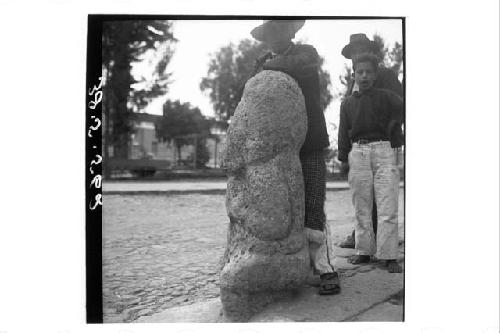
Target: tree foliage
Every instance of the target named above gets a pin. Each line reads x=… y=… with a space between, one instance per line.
x=232 y=66
x=392 y=58
x=181 y=123
x=123 y=43
x=228 y=70
x=202 y=153
x=324 y=86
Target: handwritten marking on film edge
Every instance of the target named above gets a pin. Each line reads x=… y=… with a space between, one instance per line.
x=96 y=92
x=96 y=182
x=95 y=162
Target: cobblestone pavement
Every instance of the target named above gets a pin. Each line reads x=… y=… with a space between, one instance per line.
x=163 y=251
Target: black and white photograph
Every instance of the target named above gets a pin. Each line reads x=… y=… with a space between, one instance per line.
x=252 y=169
x=250 y=166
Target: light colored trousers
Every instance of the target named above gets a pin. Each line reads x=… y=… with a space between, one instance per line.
x=320 y=249
x=373 y=171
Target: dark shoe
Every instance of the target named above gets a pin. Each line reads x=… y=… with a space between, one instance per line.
x=329 y=284
x=359 y=259
x=393 y=266
x=348 y=243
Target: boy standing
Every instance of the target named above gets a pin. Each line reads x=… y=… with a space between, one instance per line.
x=385 y=79
x=370 y=127
x=301 y=63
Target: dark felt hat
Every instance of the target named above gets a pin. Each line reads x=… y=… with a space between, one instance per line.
x=357 y=40
x=272 y=29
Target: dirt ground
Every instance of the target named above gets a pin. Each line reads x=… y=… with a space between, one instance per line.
x=162 y=251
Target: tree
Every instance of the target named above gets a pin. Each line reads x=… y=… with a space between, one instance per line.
x=391 y=58
x=123 y=44
x=183 y=124
x=228 y=70
x=202 y=153
x=324 y=86
x=231 y=67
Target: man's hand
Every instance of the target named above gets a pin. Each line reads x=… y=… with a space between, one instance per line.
x=263 y=58
x=273 y=63
x=259 y=62
x=344 y=168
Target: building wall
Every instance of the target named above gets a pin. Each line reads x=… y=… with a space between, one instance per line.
x=145 y=144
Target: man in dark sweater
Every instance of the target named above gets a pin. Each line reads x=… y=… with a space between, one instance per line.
x=369 y=131
x=385 y=79
x=301 y=62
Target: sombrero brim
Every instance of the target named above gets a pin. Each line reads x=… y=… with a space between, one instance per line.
x=270 y=29
x=347 y=50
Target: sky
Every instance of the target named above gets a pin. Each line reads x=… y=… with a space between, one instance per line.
x=199 y=39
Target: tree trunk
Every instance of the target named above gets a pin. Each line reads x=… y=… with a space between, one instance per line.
x=179 y=146
x=215 y=153
x=174 y=148
x=195 y=150
x=121 y=147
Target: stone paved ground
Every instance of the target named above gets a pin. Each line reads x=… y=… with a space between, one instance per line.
x=163 y=251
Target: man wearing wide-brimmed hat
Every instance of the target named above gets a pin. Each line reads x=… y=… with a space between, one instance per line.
x=386 y=79
x=301 y=62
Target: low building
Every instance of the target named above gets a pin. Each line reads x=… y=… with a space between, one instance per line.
x=146 y=145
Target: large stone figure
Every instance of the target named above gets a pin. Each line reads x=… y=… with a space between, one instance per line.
x=267 y=253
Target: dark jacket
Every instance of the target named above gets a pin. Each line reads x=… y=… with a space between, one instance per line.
x=301 y=62
x=376 y=114
x=386 y=79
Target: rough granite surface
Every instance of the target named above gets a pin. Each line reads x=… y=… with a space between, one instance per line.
x=266 y=254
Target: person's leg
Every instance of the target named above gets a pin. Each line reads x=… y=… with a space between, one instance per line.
x=386 y=186
x=361 y=183
x=314 y=172
x=321 y=256
x=349 y=242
